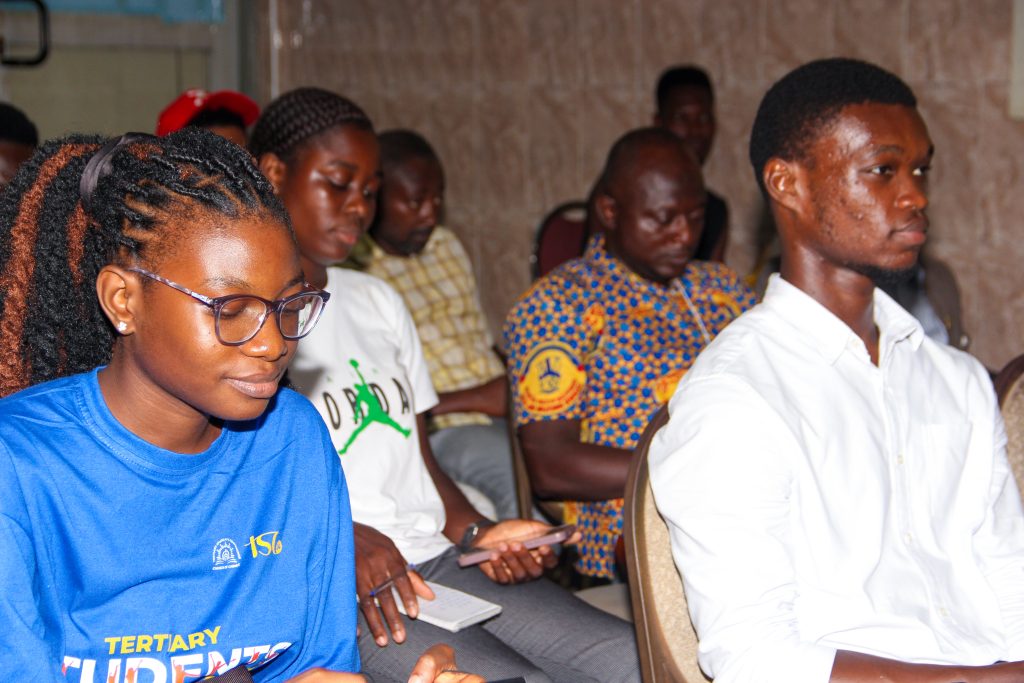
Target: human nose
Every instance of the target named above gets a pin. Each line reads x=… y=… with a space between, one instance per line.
x=268 y=342
x=361 y=203
x=914 y=193
x=687 y=230
x=431 y=210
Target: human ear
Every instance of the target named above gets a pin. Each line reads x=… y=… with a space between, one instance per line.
x=274 y=169
x=783 y=182
x=607 y=211
x=118 y=293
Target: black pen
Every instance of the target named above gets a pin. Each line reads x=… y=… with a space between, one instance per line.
x=375 y=591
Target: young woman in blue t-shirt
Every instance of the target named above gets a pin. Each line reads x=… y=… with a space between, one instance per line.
x=168 y=513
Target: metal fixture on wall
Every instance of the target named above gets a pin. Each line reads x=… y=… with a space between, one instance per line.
x=43 y=49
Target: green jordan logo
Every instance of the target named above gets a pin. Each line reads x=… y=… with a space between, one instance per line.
x=368 y=410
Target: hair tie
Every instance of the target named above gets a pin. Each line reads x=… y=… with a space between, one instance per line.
x=100 y=165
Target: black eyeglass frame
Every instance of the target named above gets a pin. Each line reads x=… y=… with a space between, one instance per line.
x=217 y=303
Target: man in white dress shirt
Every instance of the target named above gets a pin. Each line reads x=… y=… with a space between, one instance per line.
x=836 y=483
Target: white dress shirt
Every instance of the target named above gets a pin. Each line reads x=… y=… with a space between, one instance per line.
x=818 y=502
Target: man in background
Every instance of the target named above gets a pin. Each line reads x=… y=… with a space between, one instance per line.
x=427 y=265
x=686 y=106
x=598 y=344
x=18 y=140
x=226 y=112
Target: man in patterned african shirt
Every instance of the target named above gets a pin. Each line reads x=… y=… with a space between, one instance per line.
x=598 y=345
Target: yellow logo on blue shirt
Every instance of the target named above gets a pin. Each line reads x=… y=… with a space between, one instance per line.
x=552 y=381
x=265 y=544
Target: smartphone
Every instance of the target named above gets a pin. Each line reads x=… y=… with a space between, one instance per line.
x=558 y=534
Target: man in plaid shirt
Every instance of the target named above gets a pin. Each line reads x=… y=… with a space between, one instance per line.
x=429 y=268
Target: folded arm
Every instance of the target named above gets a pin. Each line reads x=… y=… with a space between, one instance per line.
x=489 y=398
x=564 y=468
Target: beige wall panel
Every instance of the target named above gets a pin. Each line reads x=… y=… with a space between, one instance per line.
x=102 y=90
x=796 y=31
x=670 y=33
x=504 y=42
x=958 y=40
x=872 y=30
x=523 y=97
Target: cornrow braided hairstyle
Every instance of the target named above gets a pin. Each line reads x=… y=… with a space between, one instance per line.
x=52 y=248
x=296 y=117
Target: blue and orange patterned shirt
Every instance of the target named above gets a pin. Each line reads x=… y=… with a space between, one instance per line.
x=593 y=341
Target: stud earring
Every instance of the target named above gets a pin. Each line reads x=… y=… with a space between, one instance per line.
x=122 y=326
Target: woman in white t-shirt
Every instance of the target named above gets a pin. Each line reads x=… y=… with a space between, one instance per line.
x=364 y=370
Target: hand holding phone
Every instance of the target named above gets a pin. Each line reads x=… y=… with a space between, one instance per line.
x=548 y=536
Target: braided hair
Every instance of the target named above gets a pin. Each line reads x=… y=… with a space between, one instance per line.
x=57 y=231
x=295 y=118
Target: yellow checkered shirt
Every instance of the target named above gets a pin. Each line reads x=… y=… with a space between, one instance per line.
x=439 y=289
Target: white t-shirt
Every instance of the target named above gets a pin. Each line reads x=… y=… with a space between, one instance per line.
x=363 y=369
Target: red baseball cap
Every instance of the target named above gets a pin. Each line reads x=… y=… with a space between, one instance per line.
x=189 y=103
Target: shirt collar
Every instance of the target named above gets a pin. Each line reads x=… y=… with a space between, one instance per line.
x=603 y=260
x=377 y=252
x=829 y=335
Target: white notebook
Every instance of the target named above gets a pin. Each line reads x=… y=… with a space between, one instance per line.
x=452 y=609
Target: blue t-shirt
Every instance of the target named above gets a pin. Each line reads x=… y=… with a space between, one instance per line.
x=123 y=562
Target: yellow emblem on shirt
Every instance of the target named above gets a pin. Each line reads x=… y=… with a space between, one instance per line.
x=594 y=318
x=723 y=299
x=552 y=381
x=665 y=386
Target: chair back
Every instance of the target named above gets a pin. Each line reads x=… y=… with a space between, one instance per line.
x=561 y=235
x=664 y=635
x=1009 y=384
x=943 y=292
x=524 y=490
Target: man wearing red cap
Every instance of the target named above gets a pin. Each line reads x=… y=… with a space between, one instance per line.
x=225 y=112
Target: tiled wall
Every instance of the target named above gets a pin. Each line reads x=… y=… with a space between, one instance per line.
x=522 y=98
x=105 y=73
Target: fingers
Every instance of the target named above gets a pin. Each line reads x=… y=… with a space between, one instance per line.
x=374 y=621
x=432 y=663
x=512 y=563
x=459 y=677
x=546 y=556
x=392 y=617
x=379 y=567
x=406 y=588
x=419 y=585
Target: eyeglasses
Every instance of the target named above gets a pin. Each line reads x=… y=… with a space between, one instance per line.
x=239 y=317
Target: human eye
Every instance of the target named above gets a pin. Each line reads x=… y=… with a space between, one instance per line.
x=233 y=308
x=338 y=179
x=923 y=170
x=881 y=169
